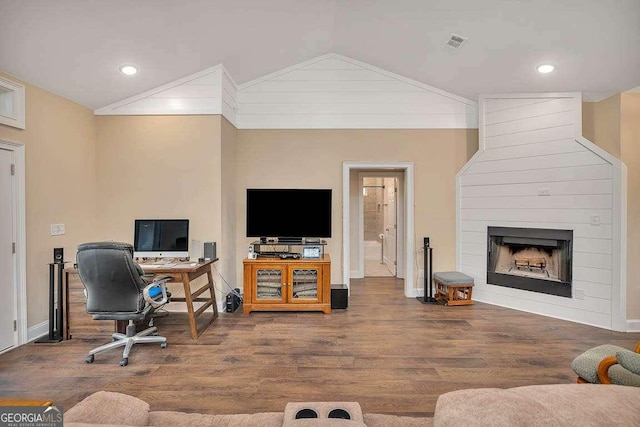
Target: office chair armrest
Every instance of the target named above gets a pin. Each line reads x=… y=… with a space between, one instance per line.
x=158 y=281
x=603 y=369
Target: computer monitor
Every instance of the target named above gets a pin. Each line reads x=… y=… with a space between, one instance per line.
x=161 y=238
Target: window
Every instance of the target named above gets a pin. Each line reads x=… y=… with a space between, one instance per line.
x=11 y=103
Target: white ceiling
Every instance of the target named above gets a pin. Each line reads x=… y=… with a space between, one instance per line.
x=74 y=47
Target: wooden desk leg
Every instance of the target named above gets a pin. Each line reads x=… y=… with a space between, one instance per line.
x=213 y=294
x=189 y=302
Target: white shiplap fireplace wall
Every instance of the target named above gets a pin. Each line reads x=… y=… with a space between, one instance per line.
x=535 y=170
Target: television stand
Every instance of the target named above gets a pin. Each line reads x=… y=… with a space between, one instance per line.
x=274 y=284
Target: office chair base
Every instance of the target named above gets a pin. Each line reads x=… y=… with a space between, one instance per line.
x=127 y=341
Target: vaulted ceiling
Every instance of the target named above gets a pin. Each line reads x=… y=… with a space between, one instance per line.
x=74 y=47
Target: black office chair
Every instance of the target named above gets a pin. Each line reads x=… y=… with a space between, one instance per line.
x=116 y=290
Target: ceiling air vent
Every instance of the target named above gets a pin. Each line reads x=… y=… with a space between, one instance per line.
x=455 y=42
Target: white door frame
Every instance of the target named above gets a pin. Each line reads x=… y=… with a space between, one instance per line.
x=409 y=259
x=20 y=267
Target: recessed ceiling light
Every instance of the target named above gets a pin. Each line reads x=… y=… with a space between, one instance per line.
x=128 y=70
x=545 y=68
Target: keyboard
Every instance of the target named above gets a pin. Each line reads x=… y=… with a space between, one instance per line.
x=158 y=265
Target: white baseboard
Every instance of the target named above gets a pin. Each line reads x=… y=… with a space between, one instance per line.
x=37 y=331
x=633 y=325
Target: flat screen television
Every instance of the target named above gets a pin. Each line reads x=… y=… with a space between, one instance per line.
x=288 y=214
x=161 y=238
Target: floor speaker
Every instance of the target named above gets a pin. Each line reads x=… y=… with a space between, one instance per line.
x=58 y=255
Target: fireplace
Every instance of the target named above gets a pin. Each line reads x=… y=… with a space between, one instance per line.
x=532 y=259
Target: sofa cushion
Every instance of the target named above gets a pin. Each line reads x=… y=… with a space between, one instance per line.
x=557 y=404
x=106 y=407
x=183 y=419
x=383 y=420
x=453 y=278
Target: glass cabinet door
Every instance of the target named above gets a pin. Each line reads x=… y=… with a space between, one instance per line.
x=269 y=284
x=304 y=284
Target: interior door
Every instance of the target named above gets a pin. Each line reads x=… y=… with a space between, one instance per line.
x=390 y=224
x=7 y=279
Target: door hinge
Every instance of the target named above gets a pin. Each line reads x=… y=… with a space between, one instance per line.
x=15 y=325
x=13 y=247
x=13 y=169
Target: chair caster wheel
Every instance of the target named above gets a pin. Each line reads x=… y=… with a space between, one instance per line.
x=124 y=361
x=89 y=358
x=163 y=345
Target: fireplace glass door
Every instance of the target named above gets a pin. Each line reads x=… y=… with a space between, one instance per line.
x=532 y=259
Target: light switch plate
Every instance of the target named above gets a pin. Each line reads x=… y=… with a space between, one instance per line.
x=57 y=229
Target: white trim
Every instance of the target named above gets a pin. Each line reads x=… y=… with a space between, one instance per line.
x=540 y=313
x=359 y=64
x=112 y=109
x=619 y=255
x=232 y=117
x=18 y=121
x=37 y=331
x=410 y=289
x=20 y=238
x=633 y=325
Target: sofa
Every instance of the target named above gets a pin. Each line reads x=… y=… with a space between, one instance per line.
x=537 y=405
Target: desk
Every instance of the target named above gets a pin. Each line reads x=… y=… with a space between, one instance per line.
x=185 y=273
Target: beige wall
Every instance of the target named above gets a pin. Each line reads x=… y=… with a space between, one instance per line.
x=601 y=124
x=630 y=150
x=59 y=142
x=313 y=159
x=614 y=125
x=159 y=167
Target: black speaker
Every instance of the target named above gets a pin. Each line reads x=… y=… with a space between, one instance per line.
x=210 y=251
x=58 y=255
x=339 y=296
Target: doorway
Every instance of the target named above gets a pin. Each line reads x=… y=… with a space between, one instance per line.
x=379 y=225
x=352 y=229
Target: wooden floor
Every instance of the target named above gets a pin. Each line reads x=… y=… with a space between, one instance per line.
x=391 y=354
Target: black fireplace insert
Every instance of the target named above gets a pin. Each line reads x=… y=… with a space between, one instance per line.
x=531 y=259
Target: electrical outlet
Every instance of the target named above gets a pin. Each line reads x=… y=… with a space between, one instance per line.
x=544 y=192
x=578 y=293
x=595 y=219
x=57 y=229
x=420 y=274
